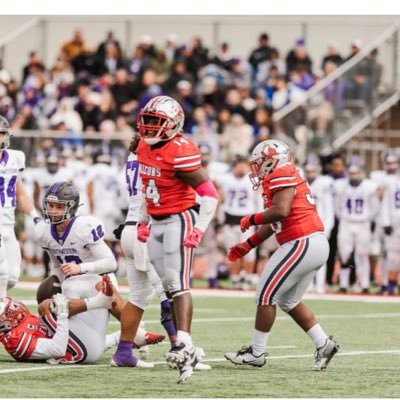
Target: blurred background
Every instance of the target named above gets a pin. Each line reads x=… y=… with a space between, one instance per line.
x=71 y=88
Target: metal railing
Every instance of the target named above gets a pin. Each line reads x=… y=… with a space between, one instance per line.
x=361 y=103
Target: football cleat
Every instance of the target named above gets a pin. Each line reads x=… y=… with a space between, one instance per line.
x=154 y=338
x=324 y=354
x=183 y=357
x=245 y=356
x=201 y=366
x=118 y=361
x=144 y=352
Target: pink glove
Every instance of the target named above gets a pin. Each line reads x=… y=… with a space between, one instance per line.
x=193 y=239
x=143 y=232
x=238 y=251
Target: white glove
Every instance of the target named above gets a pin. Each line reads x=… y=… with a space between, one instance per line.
x=60 y=305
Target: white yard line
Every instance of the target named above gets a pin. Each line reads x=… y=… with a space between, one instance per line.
x=226 y=293
x=211 y=360
x=282 y=318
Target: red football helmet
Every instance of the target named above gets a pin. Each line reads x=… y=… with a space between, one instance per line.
x=266 y=157
x=12 y=312
x=160 y=119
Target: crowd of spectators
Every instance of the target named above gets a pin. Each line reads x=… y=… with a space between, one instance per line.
x=228 y=100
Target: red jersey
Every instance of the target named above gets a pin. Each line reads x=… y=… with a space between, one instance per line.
x=21 y=341
x=164 y=192
x=303 y=218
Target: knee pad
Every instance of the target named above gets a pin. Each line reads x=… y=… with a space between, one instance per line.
x=80 y=286
x=287 y=307
x=48 y=288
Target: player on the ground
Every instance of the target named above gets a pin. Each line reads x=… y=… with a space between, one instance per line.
x=76 y=247
x=67 y=330
x=172 y=175
x=291 y=214
x=12 y=194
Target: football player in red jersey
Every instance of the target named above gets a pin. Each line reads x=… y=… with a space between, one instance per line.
x=172 y=176
x=291 y=215
x=63 y=332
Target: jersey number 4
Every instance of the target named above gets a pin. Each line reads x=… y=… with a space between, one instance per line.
x=10 y=191
x=152 y=192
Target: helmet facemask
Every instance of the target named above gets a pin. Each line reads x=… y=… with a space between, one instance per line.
x=5 y=137
x=12 y=312
x=58 y=217
x=260 y=168
x=266 y=157
x=160 y=119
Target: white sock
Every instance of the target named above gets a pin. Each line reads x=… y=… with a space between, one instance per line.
x=112 y=340
x=184 y=337
x=259 y=342
x=317 y=335
x=140 y=338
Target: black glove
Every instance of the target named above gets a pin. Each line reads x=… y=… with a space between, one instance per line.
x=388 y=230
x=118 y=231
x=372 y=226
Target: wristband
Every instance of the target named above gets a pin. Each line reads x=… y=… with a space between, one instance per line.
x=254 y=240
x=34 y=214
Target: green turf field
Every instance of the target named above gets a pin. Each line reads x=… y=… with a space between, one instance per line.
x=367 y=365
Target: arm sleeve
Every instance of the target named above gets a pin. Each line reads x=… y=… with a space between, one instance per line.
x=56 y=346
x=208 y=205
x=105 y=260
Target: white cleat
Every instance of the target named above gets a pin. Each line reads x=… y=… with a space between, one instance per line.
x=202 y=367
x=245 y=356
x=324 y=354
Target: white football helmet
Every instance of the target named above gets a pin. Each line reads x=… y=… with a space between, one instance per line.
x=12 y=312
x=4 y=130
x=266 y=157
x=160 y=119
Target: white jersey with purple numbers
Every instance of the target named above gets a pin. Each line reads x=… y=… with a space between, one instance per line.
x=134 y=185
x=74 y=245
x=105 y=189
x=356 y=203
x=321 y=189
x=239 y=197
x=45 y=179
x=12 y=163
x=390 y=209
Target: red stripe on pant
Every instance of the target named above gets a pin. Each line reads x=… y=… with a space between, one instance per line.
x=187 y=253
x=270 y=288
